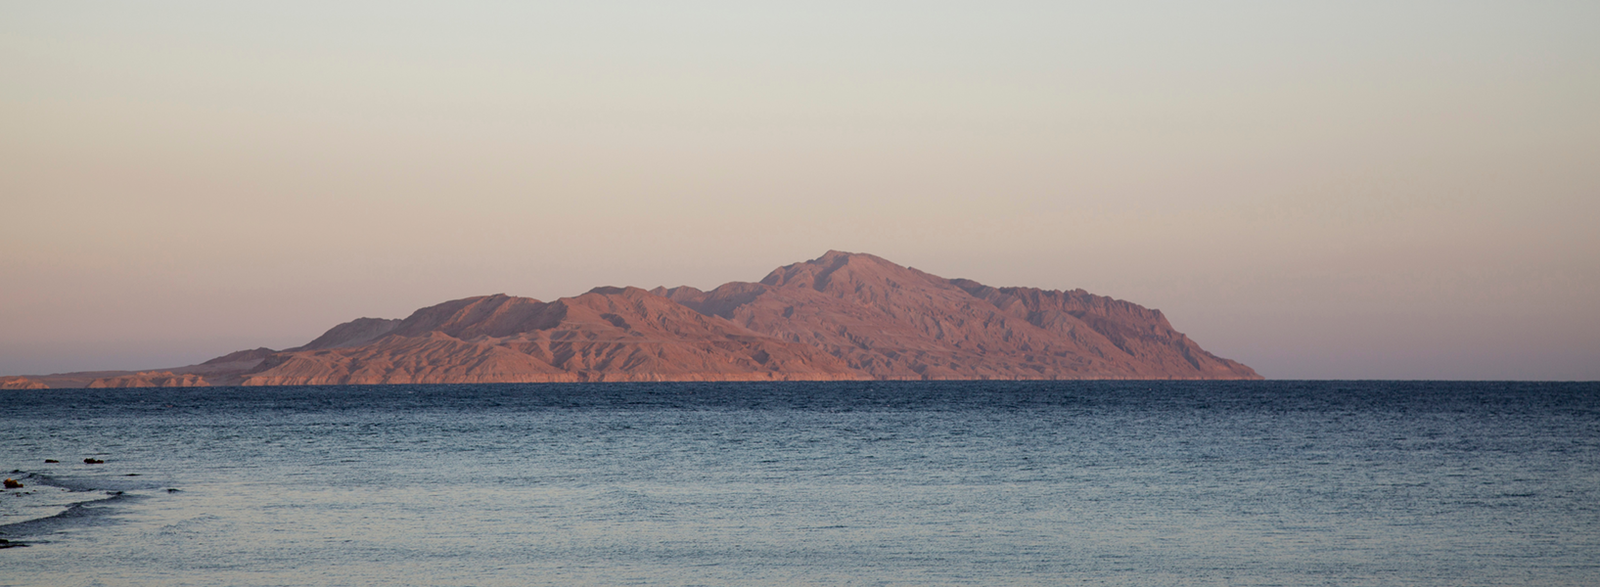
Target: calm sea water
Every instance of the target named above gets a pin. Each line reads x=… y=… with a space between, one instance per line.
x=971 y=483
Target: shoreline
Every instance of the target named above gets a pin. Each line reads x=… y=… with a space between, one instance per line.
x=54 y=495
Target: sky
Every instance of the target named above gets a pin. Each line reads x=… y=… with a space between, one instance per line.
x=1324 y=190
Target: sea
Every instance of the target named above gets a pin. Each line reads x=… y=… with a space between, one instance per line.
x=863 y=483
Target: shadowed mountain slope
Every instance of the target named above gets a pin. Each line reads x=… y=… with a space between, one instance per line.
x=608 y=334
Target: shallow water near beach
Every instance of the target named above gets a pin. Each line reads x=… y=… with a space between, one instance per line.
x=904 y=483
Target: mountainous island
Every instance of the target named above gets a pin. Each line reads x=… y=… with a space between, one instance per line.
x=842 y=316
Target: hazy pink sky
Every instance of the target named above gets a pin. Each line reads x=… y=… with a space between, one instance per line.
x=1318 y=190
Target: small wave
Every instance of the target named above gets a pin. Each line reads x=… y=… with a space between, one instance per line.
x=57 y=501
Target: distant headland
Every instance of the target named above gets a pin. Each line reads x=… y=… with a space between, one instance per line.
x=842 y=316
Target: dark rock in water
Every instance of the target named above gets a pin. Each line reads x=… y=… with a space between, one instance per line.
x=51 y=461
x=93 y=462
x=13 y=484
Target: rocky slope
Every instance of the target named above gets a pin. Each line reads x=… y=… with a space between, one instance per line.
x=151 y=379
x=896 y=322
x=17 y=382
x=608 y=334
x=840 y=316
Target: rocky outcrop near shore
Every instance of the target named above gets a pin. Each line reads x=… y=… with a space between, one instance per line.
x=17 y=382
x=841 y=316
x=151 y=379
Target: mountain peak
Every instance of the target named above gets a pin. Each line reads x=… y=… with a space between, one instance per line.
x=842 y=274
x=899 y=322
x=611 y=290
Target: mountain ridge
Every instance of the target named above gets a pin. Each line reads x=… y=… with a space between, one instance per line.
x=841 y=316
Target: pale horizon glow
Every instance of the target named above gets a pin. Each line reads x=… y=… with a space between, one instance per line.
x=1359 y=190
